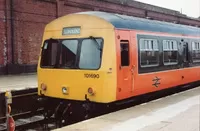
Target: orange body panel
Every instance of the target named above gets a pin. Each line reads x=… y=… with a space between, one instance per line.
x=125 y=78
x=130 y=83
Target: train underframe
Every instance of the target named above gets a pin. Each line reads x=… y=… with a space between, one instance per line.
x=64 y=112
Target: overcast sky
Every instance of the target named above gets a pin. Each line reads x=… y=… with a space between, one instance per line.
x=189 y=7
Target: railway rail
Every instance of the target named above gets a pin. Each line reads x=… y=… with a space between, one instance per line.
x=26 y=110
x=28 y=113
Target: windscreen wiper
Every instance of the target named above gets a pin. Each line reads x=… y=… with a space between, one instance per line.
x=97 y=44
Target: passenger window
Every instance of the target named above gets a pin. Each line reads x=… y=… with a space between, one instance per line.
x=196 y=52
x=149 y=52
x=124 y=44
x=170 y=52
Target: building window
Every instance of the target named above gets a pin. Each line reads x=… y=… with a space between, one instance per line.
x=149 y=52
x=170 y=52
x=124 y=45
x=196 y=51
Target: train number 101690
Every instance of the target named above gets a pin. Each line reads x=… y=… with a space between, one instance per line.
x=95 y=76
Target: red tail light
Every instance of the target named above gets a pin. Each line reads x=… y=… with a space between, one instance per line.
x=90 y=91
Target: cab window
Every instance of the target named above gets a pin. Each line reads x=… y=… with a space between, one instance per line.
x=90 y=54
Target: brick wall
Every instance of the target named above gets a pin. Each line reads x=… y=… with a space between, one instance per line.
x=30 y=17
x=22 y=23
x=3 y=42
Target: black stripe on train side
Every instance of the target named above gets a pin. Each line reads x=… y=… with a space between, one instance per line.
x=161 y=66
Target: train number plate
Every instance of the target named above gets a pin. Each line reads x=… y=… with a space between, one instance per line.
x=94 y=76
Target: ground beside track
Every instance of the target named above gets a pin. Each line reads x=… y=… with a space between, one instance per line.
x=17 y=82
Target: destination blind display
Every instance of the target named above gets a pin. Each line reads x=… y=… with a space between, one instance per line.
x=71 y=30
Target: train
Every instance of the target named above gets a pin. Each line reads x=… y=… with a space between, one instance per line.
x=100 y=58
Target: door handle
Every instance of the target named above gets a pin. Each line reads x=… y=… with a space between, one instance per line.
x=132 y=68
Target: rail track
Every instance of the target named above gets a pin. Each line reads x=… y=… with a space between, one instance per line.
x=28 y=112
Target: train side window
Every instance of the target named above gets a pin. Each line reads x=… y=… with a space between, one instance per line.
x=170 y=52
x=149 y=52
x=196 y=52
x=124 y=45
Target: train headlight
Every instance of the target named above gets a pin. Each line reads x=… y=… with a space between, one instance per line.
x=43 y=87
x=65 y=90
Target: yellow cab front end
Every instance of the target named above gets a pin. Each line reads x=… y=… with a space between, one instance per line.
x=78 y=59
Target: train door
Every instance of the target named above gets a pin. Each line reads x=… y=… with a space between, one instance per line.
x=185 y=75
x=125 y=71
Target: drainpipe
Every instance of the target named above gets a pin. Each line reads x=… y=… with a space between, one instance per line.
x=57 y=8
x=59 y=5
x=12 y=30
x=6 y=34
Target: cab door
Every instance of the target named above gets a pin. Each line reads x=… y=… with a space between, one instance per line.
x=124 y=65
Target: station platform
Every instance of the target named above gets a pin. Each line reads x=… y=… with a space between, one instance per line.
x=178 y=112
x=17 y=82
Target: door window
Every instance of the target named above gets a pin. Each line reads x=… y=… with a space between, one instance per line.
x=185 y=52
x=124 y=44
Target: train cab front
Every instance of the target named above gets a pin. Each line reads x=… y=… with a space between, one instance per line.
x=77 y=61
x=68 y=64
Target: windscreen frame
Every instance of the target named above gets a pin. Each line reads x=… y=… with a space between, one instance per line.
x=80 y=40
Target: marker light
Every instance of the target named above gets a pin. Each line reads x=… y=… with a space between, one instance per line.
x=90 y=91
x=43 y=87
